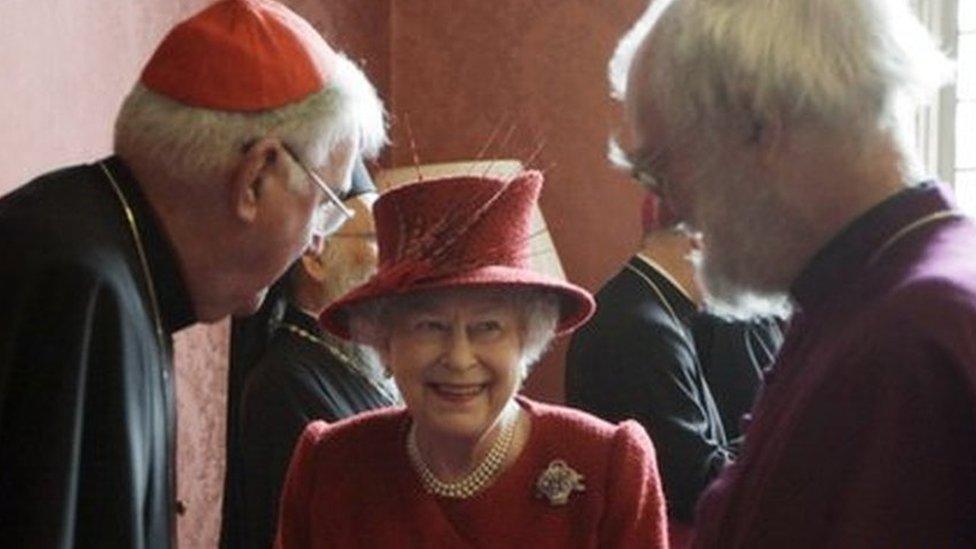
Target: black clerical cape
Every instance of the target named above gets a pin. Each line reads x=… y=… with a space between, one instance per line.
x=86 y=391
x=297 y=380
x=734 y=355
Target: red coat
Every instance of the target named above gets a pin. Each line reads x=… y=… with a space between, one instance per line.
x=351 y=484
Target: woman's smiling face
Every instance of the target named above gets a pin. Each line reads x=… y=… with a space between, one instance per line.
x=456 y=359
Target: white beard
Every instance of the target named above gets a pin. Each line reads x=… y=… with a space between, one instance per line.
x=741 y=268
x=724 y=297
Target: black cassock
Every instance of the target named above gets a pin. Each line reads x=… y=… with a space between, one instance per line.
x=297 y=380
x=635 y=360
x=86 y=392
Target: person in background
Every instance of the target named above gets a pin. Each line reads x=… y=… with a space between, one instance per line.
x=638 y=358
x=307 y=373
x=777 y=129
x=734 y=354
x=215 y=188
x=458 y=319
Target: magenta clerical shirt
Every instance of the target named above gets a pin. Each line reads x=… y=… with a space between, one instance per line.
x=865 y=435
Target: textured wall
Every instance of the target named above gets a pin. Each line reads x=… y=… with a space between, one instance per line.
x=358 y=28
x=201 y=392
x=461 y=68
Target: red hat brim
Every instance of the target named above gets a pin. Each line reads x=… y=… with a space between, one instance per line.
x=576 y=304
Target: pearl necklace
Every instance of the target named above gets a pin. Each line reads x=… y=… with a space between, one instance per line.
x=473 y=482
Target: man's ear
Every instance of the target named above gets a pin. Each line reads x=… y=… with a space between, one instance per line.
x=314 y=265
x=261 y=160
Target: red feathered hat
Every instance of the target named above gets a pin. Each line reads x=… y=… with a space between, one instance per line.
x=240 y=55
x=454 y=232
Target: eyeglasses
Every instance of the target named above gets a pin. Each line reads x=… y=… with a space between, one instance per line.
x=642 y=169
x=330 y=215
x=359 y=235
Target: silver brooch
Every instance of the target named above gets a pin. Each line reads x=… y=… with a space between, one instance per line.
x=558 y=482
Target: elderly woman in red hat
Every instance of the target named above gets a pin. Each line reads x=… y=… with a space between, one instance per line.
x=457 y=319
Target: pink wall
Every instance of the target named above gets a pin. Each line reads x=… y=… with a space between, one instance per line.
x=66 y=67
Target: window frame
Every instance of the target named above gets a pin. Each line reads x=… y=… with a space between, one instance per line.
x=935 y=124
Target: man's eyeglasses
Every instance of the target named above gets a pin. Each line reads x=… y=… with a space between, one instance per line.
x=330 y=215
x=642 y=169
x=358 y=235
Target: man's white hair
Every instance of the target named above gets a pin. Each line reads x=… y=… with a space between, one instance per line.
x=847 y=65
x=200 y=146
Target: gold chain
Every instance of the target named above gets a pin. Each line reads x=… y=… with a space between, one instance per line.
x=477 y=479
x=144 y=263
x=340 y=355
x=909 y=228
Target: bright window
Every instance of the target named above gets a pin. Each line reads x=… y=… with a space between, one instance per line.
x=946 y=131
x=964 y=162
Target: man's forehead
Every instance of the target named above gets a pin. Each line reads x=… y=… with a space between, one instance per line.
x=363 y=221
x=362 y=204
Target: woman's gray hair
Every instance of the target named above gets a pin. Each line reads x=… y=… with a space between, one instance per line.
x=200 y=146
x=848 y=65
x=538 y=311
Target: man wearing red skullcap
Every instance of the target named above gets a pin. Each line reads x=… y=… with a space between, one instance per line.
x=649 y=354
x=231 y=152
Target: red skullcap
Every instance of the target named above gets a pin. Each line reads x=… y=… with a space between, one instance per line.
x=655 y=214
x=240 y=55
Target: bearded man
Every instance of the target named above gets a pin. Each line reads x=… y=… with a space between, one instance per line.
x=775 y=128
x=218 y=181
x=305 y=373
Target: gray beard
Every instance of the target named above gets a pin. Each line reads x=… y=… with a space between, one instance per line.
x=725 y=297
x=745 y=264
